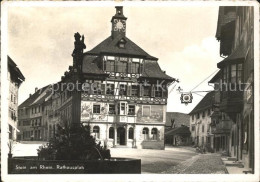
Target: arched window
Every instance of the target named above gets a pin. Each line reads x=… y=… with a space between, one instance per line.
x=154 y=133
x=111 y=132
x=146 y=133
x=131 y=133
x=96 y=131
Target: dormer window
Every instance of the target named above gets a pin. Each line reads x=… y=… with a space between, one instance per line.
x=121 y=43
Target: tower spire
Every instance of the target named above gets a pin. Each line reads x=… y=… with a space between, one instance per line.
x=118 y=22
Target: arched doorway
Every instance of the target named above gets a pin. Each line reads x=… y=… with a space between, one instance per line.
x=121 y=136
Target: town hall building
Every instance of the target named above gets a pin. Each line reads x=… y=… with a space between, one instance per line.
x=123 y=93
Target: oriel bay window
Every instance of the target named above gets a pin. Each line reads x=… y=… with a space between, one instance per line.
x=131 y=110
x=232 y=73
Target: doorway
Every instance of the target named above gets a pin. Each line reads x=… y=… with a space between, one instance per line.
x=121 y=136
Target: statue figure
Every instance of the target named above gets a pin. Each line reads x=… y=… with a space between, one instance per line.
x=78 y=50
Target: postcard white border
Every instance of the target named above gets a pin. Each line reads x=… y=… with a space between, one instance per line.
x=117 y=177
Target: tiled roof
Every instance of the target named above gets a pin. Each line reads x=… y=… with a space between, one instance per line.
x=178 y=130
x=179 y=119
x=89 y=65
x=110 y=45
x=12 y=64
x=205 y=103
x=217 y=76
x=153 y=70
x=239 y=53
x=37 y=98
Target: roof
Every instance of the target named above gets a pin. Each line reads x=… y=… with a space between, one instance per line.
x=178 y=130
x=153 y=70
x=16 y=70
x=216 y=77
x=224 y=19
x=179 y=119
x=205 y=103
x=89 y=65
x=38 y=97
x=110 y=46
x=239 y=53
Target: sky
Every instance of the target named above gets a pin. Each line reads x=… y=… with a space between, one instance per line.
x=41 y=40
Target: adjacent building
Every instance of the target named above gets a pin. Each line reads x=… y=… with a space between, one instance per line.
x=122 y=94
x=200 y=122
x=15 y=79
x=235 y=107
x=177 y=130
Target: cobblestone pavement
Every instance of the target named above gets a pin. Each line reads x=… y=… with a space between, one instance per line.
x=156 y=161
x=200 y=164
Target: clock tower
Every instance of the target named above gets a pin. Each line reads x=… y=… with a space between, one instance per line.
x=118 y=22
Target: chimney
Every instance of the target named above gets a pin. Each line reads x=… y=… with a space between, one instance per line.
x=36 y=89
x=30 y=95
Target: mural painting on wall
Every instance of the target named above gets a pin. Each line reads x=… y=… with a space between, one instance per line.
x=147 y=113
x=87 y=114
x=86 y=111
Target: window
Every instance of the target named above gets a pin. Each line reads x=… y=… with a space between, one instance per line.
x=203 y=114
x=202 y=128
x=96 y=109
x=198 y=115
x=122 y=67
x=193 y=128
x=158 y=92
x=208 y=112
x=122 y=89
x=111 y=133
x=96 y=88
x=145 y=133
x=135 y=67
x=233 y=73
x=122 y=108
x=110 y=89
x=122 y=45
x=110 y=65
x=192 y=117
x=112 y=109
x=147 y=91
x=131 y=133
x=146 y=110
x=96 y=131
x=154 y=133
x=131 y=110
x=134 y=90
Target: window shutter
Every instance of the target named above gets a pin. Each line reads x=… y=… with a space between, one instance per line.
x=129 y=67
x=103 y=89
x=129 y=90
x=153 y=91
x=140 y=91
x=141 y=67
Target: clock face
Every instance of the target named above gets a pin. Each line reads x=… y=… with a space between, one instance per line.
x=119 y=25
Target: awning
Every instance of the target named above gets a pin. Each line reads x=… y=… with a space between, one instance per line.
x=238 y=54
